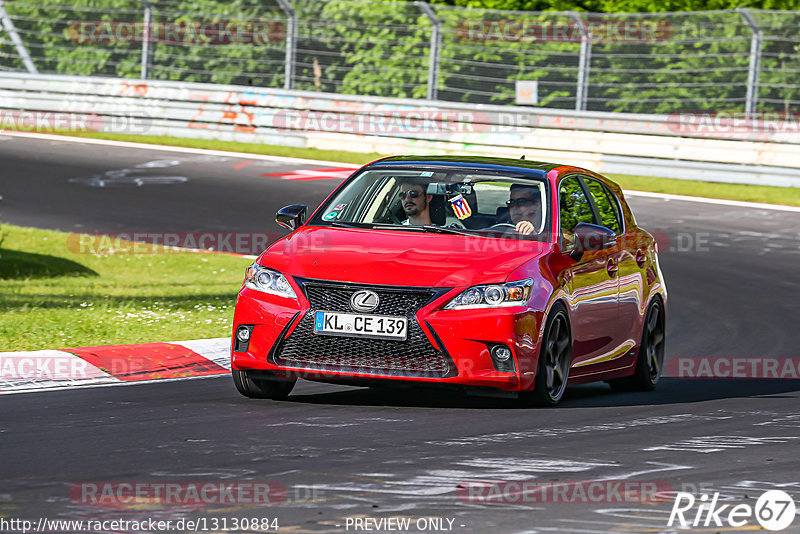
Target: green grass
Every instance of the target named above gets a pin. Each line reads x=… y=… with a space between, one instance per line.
x=750 y=193
x=52 y=297
x=789 y=196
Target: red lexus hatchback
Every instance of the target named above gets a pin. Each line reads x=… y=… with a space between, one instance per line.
x=497 y=275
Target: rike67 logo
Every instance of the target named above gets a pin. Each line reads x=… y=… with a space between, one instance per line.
x=774 y=510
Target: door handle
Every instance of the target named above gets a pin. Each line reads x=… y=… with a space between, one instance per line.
x=612 y=268
x=641 y=258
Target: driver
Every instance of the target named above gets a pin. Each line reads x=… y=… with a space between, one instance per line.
x=524 y=207
x=416 y=203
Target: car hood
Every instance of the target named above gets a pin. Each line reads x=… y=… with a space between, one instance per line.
x=399 y=258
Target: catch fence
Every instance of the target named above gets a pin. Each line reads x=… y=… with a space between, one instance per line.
x=740 y=60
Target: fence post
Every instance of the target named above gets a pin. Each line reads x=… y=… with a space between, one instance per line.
x=751 y=101
x=291 y=43
x=147 y=38
x=436 y=45
x=8 y=24
x=584 y=62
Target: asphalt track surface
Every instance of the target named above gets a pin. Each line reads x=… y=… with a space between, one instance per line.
x=359 y=453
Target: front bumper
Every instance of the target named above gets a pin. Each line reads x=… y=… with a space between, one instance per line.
x=443 y=346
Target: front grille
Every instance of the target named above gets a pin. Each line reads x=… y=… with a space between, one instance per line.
x=393 y=301
x=414 y=357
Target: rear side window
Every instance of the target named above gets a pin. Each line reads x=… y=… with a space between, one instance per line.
x=606 y=204
x=574 y=208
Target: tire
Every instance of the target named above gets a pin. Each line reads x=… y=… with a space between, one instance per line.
x=650 y=360
x=261 y=388
x=555 y=358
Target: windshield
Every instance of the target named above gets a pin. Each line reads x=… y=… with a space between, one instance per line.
x=454 y=201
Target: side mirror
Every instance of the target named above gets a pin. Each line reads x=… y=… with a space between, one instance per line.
x=591 y=237
x=292 y=216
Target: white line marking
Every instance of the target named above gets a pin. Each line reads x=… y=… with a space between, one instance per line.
x=634 y=513
x=664 y=467
x=709 y=444
x=115 y=384
x=45 y=369
x=723 y=202
x=218 y=350
x=264 y=157
x=489 y=439
x=576 y=530
x=54 y=370
x=598 y=522
x=513 y=465
x=168 y=148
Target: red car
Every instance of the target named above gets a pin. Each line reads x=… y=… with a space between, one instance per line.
x=498 y=275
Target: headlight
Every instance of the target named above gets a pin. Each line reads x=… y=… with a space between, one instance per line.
x=492 y=296
x=268 y=281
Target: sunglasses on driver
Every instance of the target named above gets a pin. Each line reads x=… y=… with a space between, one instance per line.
x=411 y=193
x=521 y=202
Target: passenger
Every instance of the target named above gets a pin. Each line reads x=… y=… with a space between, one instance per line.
x=525 y=208
x=415 y=201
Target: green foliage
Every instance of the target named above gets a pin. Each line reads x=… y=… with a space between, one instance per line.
x=105 y=38
x=622 y=6
x=52 y=36
x=605 y=205
x=699 y=62
x=377 y=50
x=485 y=52
x=575 y=207
x=256 y=59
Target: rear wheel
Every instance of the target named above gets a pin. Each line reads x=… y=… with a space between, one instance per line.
x=651 y=353
x=555 y=358
x=261 y=388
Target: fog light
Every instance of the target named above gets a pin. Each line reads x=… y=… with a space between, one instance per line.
x=501 y=353
x=243 y=334
x=241 y=340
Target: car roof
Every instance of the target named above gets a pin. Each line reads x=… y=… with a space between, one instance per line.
x=534 y=168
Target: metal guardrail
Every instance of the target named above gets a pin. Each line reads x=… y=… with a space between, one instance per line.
x=651 y=145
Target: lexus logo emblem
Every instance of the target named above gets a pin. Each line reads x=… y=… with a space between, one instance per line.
x=364 y=301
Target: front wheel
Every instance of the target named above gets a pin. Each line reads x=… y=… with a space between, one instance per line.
x=650 y=359
x=261 y=388
x=555 y=358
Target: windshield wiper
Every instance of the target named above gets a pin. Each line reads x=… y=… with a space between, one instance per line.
x=350 y=224
x=445 y=230
x=375 y=226
x=432 y=228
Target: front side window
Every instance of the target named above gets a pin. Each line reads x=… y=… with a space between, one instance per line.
x=574 y=208
x=606 y=204
x=453 y=201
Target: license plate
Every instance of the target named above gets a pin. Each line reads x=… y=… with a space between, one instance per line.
x=360 y=325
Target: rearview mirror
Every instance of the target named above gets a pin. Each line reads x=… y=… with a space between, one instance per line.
x=591 y=237
x=436 y=188
x=292 y=216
